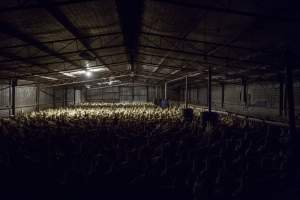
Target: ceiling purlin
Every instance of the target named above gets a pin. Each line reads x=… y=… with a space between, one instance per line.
x=8 y=29
x=63 y=19
x=16 y=58
x=64 y=53
x=230 y=11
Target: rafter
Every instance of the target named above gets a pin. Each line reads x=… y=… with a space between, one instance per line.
x=8 y=29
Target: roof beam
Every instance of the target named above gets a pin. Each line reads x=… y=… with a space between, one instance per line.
x=130 y=16
x=58 y=72
x=35 y=5
x=65 y=53
x=250 y=62
x=53 y=42
x=164 y=66
x=62 y=19
x=230 y=11
x=15 y=58
x=8 y=29
x=57 y=62
x=201 y=42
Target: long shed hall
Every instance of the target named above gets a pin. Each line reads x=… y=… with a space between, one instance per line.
x=149 y=99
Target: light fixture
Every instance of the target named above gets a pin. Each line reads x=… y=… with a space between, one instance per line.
x=47 y=77
x=110 y=82
x=88 y=73
x=196 y=74
x=175 y=71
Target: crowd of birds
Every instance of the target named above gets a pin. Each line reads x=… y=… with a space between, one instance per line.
x=139 y=151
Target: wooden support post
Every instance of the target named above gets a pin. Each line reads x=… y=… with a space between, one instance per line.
x=186 y=92
x=13 y=97
x=86 y=95
x=285 y=102
x=156 y=92
x=147 y=93
x=209 y=90
x=222 y=95
x=244 y=85
x=37 y=98
x=281 y=95
x=119 y=97
x=65 y=96
x=132 y=93
x=74 y=97
x=290 y=97
x=166 y=90
x=54 y=98
x=294 y=150
x=197 y=100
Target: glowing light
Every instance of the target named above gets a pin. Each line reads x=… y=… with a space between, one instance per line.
x=67 y=74
x=88 y=73
x=47 y=77
x=175 y=71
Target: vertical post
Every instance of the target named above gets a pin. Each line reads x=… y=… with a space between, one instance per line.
x=54 y=98
x=86 y=95
x=222 y=94
x=132 y=92
x=147 y=93
x=186 y=92
x=119 y=89
x=281 y=96
x=244 y=84
x=285 y=101
x=165 y=90
x=65 y=96
x=13 y=97
x=74 y=97
x=37 y=98
x=9 y=97
x=209 y=89
x=290 y=98
x=294 y=137
x=197 y=100
x=156 y=92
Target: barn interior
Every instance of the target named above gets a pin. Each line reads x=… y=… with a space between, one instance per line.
x=182 y=99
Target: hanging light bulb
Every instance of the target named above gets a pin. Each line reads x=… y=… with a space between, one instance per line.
x=88 y=73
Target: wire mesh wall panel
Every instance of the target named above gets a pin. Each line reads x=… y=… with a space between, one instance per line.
x=140 y=94
x=125 y=94
x=25 y=98
x=232 y=95
x=151 y=94
x=216 y=96
x=297 y=99
x=46 y=98
x=94 y=94
x=78 y=97
x=4 y=100
x=192 y=94
x=202 y=96
x=103 y=94
x=70 y=96
x=59 y=97
x=263 y=95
